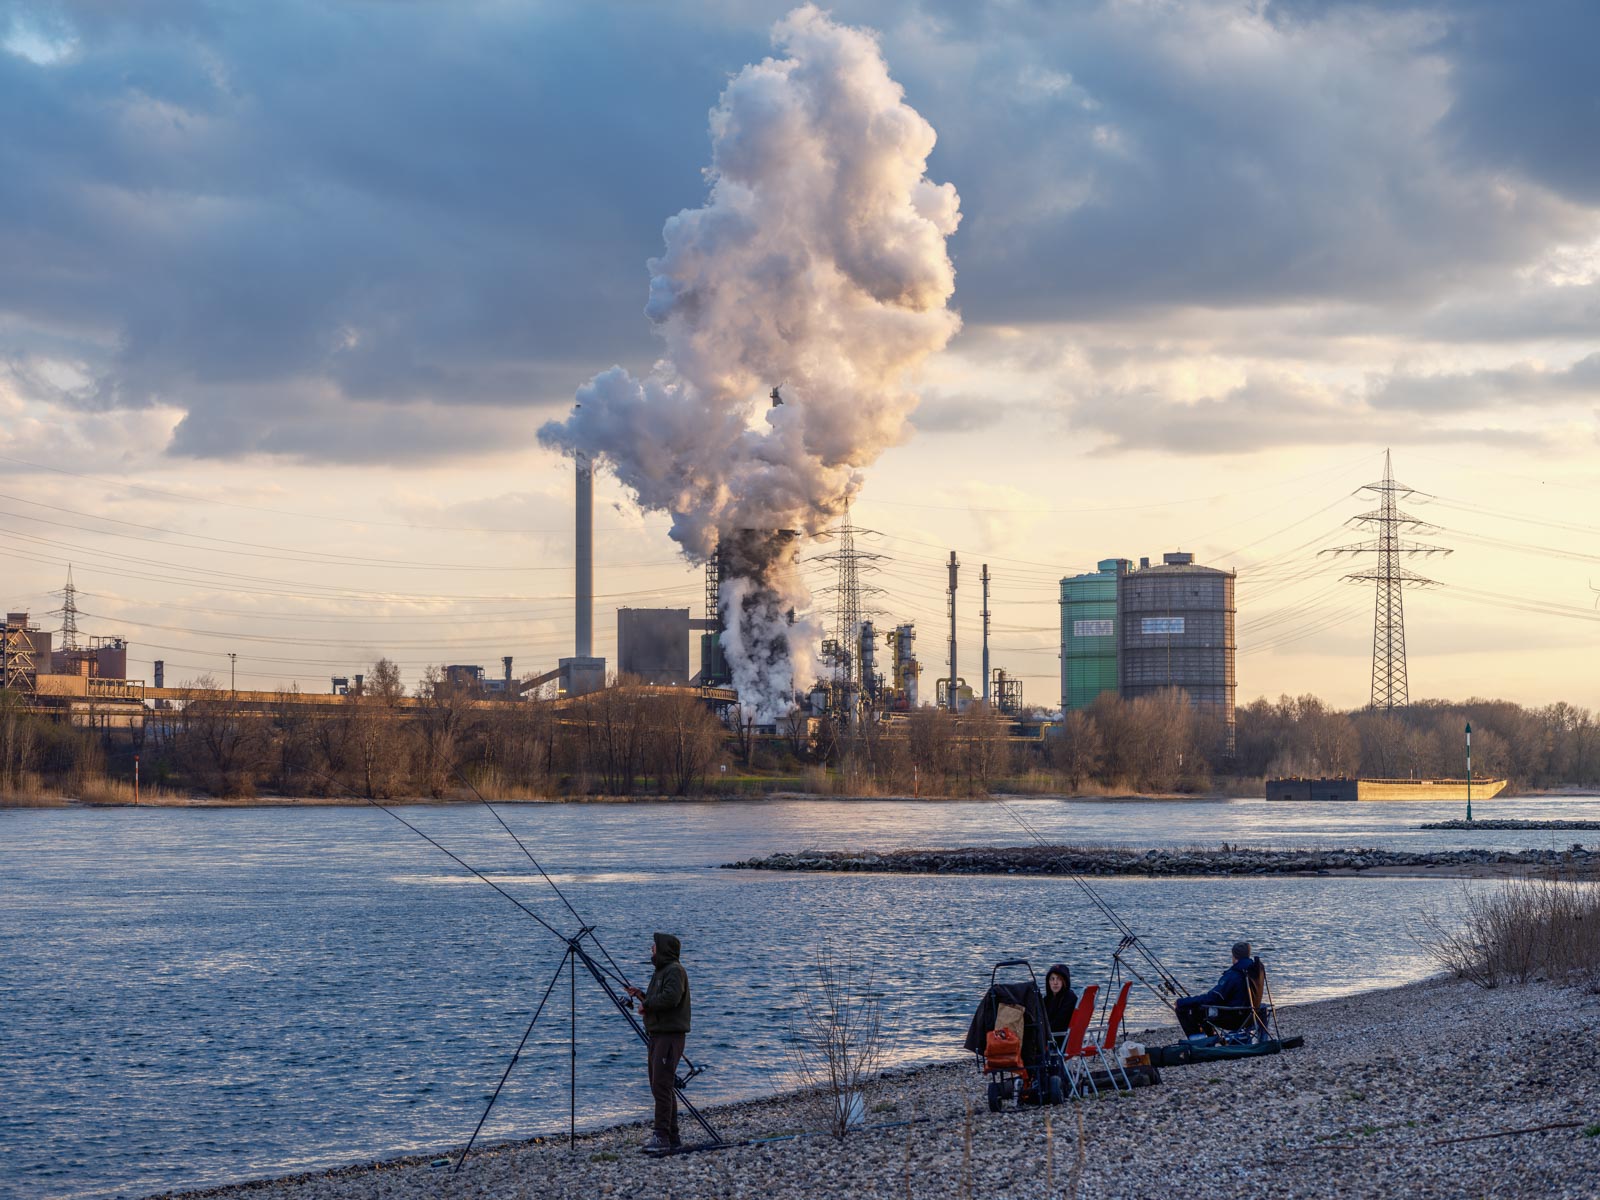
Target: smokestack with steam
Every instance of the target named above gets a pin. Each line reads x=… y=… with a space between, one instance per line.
x=817 y=261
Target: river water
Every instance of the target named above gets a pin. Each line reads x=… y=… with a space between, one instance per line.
x=195 y=996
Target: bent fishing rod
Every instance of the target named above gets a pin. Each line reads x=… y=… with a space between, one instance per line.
x=1170 y=986
x=574 y=948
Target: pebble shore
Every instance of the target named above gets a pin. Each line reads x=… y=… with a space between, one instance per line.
x=1412 y=1091
x=1112 y=860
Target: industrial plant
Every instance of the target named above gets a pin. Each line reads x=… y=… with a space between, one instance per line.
x=1132 y=631
x=1126 y=630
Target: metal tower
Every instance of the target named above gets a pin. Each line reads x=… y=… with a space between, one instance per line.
x=1388 y=523
x=849 y=595
x=68 y=612
x=984 y=576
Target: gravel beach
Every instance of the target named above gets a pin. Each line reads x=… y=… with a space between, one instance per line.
x=1407 y=1091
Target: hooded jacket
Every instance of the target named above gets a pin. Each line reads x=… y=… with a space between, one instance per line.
x=1233 y=989
x=666 y=1000
x=1058 y=1006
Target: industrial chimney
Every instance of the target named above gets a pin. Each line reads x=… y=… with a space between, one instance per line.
x=583 y=672
x=584 y=589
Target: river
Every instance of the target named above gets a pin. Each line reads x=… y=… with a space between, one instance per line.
x=195 y=996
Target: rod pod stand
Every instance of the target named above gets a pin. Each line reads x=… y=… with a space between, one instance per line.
x=573 y=955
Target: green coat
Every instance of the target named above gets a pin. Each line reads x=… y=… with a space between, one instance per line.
x=666 y=1000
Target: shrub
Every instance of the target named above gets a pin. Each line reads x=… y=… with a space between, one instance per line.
x=1524 y=929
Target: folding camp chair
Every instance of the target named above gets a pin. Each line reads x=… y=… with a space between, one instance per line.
x=1106 y=1048
x=1073 y=1051
x=1236 y=1025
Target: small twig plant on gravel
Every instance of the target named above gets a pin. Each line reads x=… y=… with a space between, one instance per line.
x=836 y=1036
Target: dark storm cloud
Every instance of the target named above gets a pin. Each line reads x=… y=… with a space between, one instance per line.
x=1134 y=156
x=428 y=205
x=1523 y=80
x=283 y=219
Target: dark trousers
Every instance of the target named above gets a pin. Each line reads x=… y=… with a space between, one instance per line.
x=1190 y=1010
x=665 y=1051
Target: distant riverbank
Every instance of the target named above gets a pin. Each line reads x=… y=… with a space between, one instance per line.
x=179 y=800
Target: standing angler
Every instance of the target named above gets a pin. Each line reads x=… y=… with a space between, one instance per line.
x=665 y=1006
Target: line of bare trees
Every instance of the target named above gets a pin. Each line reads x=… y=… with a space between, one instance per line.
x=618 y=741
x=630 y=740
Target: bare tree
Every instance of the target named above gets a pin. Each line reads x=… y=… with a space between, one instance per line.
x=444 y=717
x=1077 y=751
x=222 y=744
x=374 y=730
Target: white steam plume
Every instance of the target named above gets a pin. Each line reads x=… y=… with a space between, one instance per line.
x=818 y=264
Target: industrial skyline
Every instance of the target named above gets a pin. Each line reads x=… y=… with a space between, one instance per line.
x=315 y=448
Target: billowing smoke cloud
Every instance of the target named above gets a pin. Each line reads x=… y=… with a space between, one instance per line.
x=818 y=265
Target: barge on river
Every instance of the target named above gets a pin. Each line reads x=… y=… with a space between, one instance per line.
x=1383 y=789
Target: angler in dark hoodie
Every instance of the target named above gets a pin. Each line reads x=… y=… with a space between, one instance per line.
x=665 y=1006
x=1059 y=998
x=1232 y=992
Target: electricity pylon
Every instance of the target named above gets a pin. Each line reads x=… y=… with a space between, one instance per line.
x=1390 y=689
x=68 y=612
x=848 y=594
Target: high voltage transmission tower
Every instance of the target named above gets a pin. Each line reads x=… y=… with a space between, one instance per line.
x=848 y=593
x=68 y=612
x=1390 y=689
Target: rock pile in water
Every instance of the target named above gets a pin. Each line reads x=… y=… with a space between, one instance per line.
x=1460 y=824
x=1111 y=860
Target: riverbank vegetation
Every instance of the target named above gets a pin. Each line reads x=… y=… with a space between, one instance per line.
x=629 y=740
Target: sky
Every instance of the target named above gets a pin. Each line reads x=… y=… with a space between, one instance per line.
x=287 y=290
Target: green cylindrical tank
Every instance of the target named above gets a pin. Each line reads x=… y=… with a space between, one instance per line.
x=1089 y=634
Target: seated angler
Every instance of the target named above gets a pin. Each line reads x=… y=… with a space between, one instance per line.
x=1059 y=998
x=1232 y=992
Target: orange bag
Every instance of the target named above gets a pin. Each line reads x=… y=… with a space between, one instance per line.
x=1002 y=1051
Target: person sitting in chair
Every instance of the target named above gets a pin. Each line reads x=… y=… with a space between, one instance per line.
x=1232 y=992
x=1059 y=998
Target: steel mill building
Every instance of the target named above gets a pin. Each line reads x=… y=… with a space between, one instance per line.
x=1140 y=630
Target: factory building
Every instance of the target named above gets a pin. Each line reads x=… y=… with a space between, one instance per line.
x=1089 y=633
x=103 y=658
x=653 y=644
x=1138 y=631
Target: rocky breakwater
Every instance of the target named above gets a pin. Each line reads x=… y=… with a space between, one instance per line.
x=1460 y=824
x=1226 y=860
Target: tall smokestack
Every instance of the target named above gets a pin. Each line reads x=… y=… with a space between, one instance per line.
x=985 y=578
x=584 y=619
x=954 y=674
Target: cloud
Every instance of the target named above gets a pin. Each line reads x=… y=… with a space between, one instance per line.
x=446 y=210
x=1523 y=383
x=1207 y=154
x=1268 y=410
x=434 y=209
x=946 y=412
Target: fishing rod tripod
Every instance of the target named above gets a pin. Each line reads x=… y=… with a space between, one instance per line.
x=573 y=954
x=571 y=957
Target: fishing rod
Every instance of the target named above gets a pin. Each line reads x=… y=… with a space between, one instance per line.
x=1130 y=939
x=617 y=973
x=574 y=952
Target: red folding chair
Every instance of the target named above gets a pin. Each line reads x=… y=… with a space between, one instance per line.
x=1073 y=1049
x=1106 y=1048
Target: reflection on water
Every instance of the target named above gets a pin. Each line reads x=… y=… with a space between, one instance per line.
x=194 y=996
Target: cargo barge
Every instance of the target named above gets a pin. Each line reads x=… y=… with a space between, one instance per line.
x=1382 y=789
